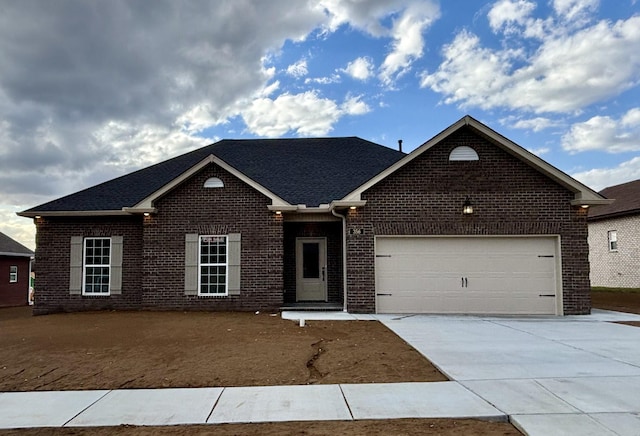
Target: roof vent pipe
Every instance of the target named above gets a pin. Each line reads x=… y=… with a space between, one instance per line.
x=400 y=145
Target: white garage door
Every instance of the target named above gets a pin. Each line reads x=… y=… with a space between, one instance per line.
x=482 y=275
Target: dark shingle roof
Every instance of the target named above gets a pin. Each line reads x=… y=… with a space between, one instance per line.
x=627 y=201
x=10 y=246
x=309 y=171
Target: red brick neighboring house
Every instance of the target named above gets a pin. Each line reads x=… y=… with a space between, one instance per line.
x=15 y=272
x=614 y=238
x=469 y=222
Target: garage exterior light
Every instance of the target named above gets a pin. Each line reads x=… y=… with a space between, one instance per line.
x=467 y=207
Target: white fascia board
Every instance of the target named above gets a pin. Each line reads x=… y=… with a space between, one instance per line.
x=73 y=213
x=583 y=194
x=147 y=203
x=7 y=253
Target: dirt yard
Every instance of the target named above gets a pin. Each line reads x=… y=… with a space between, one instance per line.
x=113 y=350
x=109 y=350
x=620 y=301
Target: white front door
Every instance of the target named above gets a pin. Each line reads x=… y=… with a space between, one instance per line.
x=311 y=269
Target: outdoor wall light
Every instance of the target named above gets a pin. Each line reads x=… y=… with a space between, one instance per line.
x=467 y=207
x=37 y=217
x=146 y=214
x=585 y=206
x=278 y=212
x=352 y=207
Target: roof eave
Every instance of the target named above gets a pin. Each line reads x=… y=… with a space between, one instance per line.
x=8 y=253
x=55 y=213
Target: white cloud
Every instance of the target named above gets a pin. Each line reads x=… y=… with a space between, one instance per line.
x=566 y=73
x=408 y=41
x=605 y=133
x=304 y=114
x=600 y=178
x=355 y=106
x=506 y=13
x=536 y=124
x=299 y=69
x=575 y=10
x=334 y=78
x=360 y=68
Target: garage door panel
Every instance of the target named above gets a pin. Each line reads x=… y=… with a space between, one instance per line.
x=466 y=275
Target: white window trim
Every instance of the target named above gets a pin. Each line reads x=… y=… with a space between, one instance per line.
x=13 y=275
x=613 y=239
x=85 y=266
x=225 y=264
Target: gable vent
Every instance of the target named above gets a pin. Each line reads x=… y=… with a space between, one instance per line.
x=463 y=153
x=213 y=182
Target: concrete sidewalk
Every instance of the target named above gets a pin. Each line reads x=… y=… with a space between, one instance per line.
x=242 y=405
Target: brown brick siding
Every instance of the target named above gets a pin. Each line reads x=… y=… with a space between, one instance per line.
x=14 y=294
x=425 y=197
x=235 y=208
x=53 y=239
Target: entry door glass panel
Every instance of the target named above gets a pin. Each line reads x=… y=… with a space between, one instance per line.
x=310 y=260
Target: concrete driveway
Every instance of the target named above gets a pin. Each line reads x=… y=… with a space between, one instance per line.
x=576 y=375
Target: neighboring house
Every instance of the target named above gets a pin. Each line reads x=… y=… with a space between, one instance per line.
x=341 y=222
x=614 y=238
x=15 y=272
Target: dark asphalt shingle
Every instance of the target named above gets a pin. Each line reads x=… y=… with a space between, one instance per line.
x=627 y=201
x=8 y=245
x=309 y=171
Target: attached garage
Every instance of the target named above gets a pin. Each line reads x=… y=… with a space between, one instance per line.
x=471 y=275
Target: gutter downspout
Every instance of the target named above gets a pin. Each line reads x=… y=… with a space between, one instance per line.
x=344 y=257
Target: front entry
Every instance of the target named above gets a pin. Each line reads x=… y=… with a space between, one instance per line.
x=311 y=269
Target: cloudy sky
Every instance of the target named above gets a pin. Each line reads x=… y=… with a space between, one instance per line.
x=90 y=90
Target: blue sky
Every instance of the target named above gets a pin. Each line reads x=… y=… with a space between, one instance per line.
x=92 y=90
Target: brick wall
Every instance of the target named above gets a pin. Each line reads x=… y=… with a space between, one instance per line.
x=53 y=238
x=191 y=208
x=618 y=269
x=425 y=197
x=14 y=294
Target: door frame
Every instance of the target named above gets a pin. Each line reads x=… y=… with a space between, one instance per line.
x=322 y=266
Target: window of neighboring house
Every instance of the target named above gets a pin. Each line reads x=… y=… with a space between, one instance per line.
x=97 y=266
x=213 y=265
x=613 y=240
x=13 y=273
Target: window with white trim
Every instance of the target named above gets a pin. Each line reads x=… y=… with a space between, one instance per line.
x=96 y=266
x=213 y=265
x=13 y=273
x=613 y=240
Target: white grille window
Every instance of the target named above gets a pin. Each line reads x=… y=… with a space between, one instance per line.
x=213 y=265
x=97 y=266
x=613 y=240
x=13 y=273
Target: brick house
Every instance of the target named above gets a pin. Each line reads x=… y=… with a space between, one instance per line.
x=469 y=222
x=15 y=272
x=614 y=238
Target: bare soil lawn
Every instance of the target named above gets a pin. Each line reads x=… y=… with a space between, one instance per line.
x=618 y=300
x=112 y=350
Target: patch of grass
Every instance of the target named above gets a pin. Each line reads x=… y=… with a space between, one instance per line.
x=625 y=290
